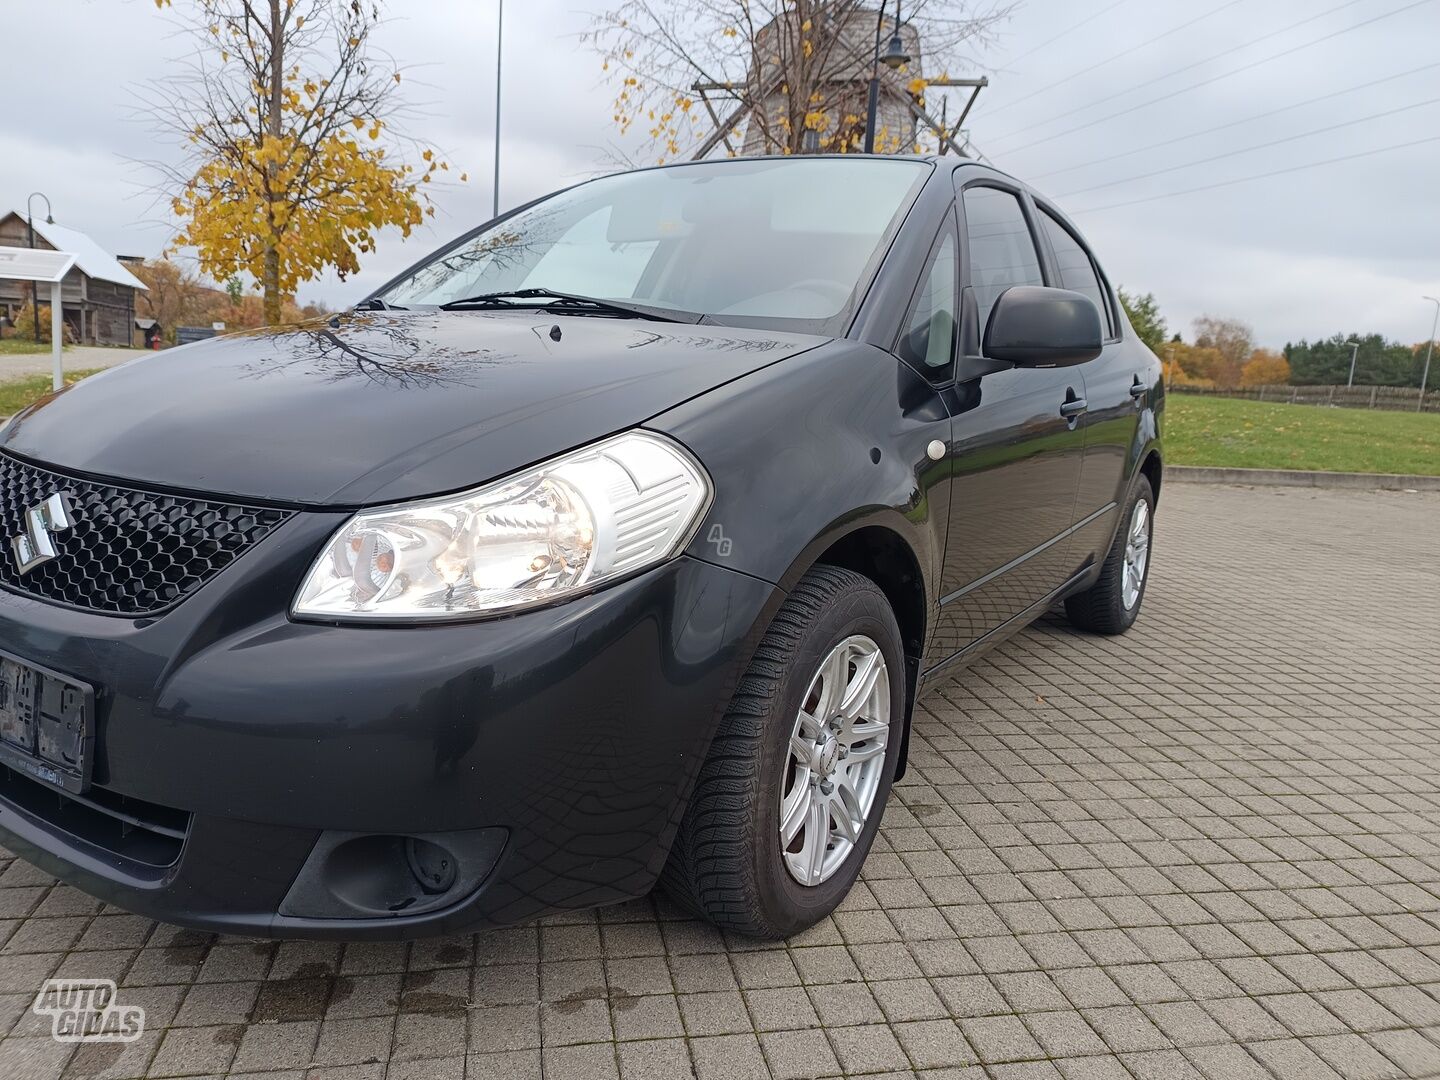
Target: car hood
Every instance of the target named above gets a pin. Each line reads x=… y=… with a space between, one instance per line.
x=375 y=407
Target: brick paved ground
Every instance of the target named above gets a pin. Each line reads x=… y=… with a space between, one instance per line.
x=1210 y=848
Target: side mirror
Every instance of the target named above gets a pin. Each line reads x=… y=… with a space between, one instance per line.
x=1031 y=326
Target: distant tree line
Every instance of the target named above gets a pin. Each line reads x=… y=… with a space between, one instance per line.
x=1223 y=354
x=1377 y=362
x=175 y=297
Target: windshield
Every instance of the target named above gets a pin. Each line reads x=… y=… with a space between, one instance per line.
x=786 y=243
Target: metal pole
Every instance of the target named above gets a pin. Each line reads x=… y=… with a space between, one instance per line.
x=34 y=285
x=30 y=219
x=873 y=108
x=57 y=335
x=1355 y=351
x=499 y=54
x=1429 y=350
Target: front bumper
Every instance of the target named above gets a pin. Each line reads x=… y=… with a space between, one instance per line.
x=573 y=733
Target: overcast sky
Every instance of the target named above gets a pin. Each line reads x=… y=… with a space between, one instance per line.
x=1347 y=246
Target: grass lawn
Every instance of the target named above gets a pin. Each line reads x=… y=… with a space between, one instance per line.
x=13 y=346
x=15 y=394
x=1233 y=433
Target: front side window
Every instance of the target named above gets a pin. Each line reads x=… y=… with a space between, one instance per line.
x=1002 y=251
x=789 y=243
x=1077 y=271
x=929 y=340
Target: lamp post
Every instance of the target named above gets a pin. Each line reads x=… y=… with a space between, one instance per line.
x=499 y=55
x=894 y=57
x=1429 y=349
x=30 y=221
x=1354 y=352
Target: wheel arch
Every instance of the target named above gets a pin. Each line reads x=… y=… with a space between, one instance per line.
x=883 y=555
x=1152 y=468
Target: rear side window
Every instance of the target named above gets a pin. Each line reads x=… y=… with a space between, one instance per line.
x=929 y=340
x=1002 y=251
x=1077 y=269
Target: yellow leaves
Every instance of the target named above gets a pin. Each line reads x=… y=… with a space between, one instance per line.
x=917 y=87
x=317 y=205
x=817 y=120
x=807 y=48
x=730 y=32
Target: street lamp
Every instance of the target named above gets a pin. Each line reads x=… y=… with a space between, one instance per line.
x=499 y=53
x=49 y=220
x=1429 y=349
x=1354 y=351
x=894 y=57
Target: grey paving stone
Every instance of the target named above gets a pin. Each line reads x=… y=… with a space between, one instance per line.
x=799 y=1055
x=1227 y=868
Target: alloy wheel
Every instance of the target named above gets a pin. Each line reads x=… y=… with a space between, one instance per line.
x=1137 y=554
x=836 y=760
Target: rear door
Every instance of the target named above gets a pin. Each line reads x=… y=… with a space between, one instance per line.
x=1115 y=385
x=1017 y=451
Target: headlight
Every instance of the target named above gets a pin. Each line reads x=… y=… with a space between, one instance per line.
x=561 y=528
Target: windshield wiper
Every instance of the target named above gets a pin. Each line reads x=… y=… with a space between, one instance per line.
x=376 y=304
x=553 y=300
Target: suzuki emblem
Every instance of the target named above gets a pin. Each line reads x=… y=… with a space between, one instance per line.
x=36 y=544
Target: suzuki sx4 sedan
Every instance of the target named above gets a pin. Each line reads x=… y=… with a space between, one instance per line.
x=609 y=547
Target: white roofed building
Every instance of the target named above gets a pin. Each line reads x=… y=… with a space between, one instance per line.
x=98 y=295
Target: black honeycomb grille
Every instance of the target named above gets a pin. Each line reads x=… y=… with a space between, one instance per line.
x=129 y=552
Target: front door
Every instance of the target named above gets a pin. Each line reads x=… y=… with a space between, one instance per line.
x=1017 y=449
x=1116 y=385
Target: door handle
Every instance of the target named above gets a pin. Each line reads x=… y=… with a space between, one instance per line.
x=1073 y=408
x=1137 y=389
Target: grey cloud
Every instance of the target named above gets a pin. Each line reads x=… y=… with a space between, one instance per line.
x=1346 y=246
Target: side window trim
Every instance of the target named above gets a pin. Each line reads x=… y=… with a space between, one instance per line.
x=1112 y=314
x=1027 y=208
x=1037 y=241
x=949 y=229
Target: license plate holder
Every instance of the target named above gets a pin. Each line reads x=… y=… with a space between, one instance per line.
x=47 y=724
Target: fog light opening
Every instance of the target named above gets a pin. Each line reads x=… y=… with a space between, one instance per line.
x=434 y=867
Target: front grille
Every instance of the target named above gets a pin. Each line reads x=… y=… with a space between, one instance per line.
x=128 y=552
x=139 y=832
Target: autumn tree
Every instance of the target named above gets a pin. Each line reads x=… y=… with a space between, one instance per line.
x=1232 y=339
x=1194 y=365
x=1265 y=368
x=175 y=296
x=1145 y=317
x=793 y=73
x=293 y=163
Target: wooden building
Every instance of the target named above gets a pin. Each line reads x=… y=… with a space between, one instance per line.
x=98 y=295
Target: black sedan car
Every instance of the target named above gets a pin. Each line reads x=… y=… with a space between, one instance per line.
x=610 y=546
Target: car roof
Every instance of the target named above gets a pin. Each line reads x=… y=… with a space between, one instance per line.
x=941 y=161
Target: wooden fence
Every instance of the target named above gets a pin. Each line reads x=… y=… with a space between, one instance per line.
x=1395 y=398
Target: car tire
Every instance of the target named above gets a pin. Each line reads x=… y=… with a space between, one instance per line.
x=1111 y=605
x=730 y=863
